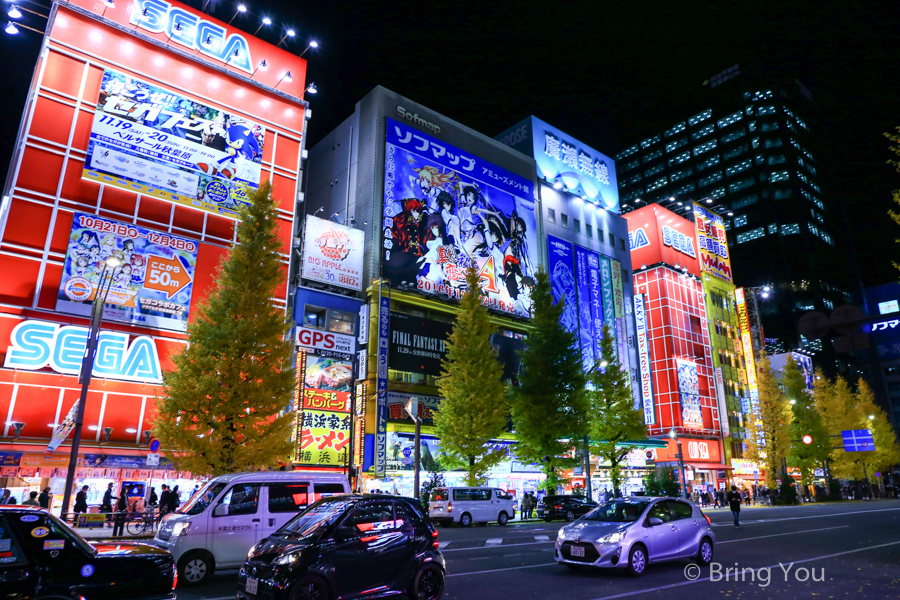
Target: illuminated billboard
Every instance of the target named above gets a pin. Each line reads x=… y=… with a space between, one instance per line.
x=333 y=253
x=445 y=210
x=689 y=388
x=149 y=140
x=747 y=342
x=657 y=235
x=712 y=244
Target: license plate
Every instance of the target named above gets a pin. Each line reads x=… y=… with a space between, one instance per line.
x=576 y=551
x=251 y=586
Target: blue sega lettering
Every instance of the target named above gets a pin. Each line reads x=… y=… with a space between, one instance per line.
x=189 y=30
x=38 y=344
x=678 y=241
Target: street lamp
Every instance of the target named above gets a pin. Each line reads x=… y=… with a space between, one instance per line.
x=674 y=435
x=87 y=366
x=312 y=44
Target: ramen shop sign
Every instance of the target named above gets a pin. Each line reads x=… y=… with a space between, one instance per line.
x=189 y=30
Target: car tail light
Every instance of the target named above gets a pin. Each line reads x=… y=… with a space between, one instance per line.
x=174 y=576
x=707 y=519
x=557 y=507
x=449 y=507
x=435 y=543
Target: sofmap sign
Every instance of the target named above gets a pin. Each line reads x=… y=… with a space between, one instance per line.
x=333 y=253
x=39 y=344
x=189 y=30
x=581 y=169
x=640 y=319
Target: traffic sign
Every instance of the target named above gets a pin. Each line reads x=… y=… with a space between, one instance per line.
x=807 y=439
x=154 y=445
x=412 y=409
x=153 y=459
x=858 y=440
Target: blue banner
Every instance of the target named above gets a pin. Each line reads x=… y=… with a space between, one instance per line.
x=606 y=284
x=562 y=280
x=384 y=330
x=593 y=264
x=586 y=331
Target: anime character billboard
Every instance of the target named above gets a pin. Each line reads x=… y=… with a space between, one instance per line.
x=152 y=285
x=445 y=210
x=148 y=140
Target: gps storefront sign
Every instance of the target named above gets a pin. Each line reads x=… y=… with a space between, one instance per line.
x=149 y=140
x=35 y=345
x=152 y=285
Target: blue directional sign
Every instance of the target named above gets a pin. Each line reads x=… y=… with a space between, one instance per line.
x=858 y=440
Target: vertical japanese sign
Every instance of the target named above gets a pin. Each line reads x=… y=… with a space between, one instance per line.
x=746 y=342
x=586 y=331
x=445 y=210
x=152 y=285
x=689 y=388
x=384 y=331
x=606 y=285
x=596 y=299
x=562 y=281
x=149 y=140
x=324 y=423
x=712 y=243
x=619 y=308
x=643 y=343
x=720 y=402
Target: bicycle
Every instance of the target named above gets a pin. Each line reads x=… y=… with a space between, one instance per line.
x=146 y=522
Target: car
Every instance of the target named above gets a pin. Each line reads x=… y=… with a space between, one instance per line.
x=563 y=507
x=631 y=533
x=224 y=519
x=42 y=557
x=363 y=545
x=467 y=505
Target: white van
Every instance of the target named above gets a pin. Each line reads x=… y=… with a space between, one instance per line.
x=467 y=505
x=217 y=527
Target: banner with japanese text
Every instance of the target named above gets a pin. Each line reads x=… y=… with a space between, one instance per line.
x=712 y=243
x=689 y=388
x=152 y=284
x=148 y=140
x=586 y=332
x=324 y=420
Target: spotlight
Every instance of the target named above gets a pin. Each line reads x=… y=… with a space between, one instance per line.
x=557 y=185
x=11 y=28
x=312 y=44
x=18 y=427
x=311 y=88
x=286 y=77
x=14 y=12
x=110 y=3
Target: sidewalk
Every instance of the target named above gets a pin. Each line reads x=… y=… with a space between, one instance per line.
x=105 y=533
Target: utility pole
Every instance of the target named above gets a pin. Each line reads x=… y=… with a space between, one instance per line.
x=412 y=409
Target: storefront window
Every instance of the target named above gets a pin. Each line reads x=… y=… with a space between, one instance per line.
x=342 y=322
x=314 y=316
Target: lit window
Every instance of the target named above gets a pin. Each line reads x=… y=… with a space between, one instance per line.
x=736 y=151
x=699 y=118
x=710 y=179
x=626 y=152
x=738 y=168
x=773 y=228
x=766 y=110
x=653 y=155
x=790 y=229
x=676 y=129
x=740 y=185
x=649 y=141
x=677 y=160
x=680 y=174
x=732 y=118
x=676 y=144
x=705 y=147
x=769 y=127
x=740 y=221
x=630 y=165
x=709 y=162
x=751 y=235
x=717 y=193
x=656 y=184
x=734 y=135
x=779 y=176
x=688 y=187
x=654 y=170
x=703 y=132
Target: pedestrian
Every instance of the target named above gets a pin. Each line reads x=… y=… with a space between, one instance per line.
x=734 y=502
x=154 y=499
x=164 y=499
x=32 y=500
x=106 y=505
x=80 y=503
x=44 y=498
x=176 y=498
x=715 y=499
x=121 y=512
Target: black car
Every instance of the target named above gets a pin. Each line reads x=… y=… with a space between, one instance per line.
x=563 y=507
x=41 y=557
x=348 y=546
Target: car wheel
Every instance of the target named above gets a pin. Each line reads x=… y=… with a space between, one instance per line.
x=465 y=520
x=570 y=515
x=503 y=519
x=428 y=583
x=705 y=552
x=637 y=561
x=195 y=569
x=310 y=588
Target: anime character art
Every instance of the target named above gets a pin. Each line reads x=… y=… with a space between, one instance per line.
x=408 y=243
x=86 y=241
x=431 y=181
x=122 y=278
x=84 y=268
x=563 y=286
x=451 y=222
x=108 y=246
x=434 y=242
x=518 y=244
x=137 y=270
x=127 y=250
x=241 y=146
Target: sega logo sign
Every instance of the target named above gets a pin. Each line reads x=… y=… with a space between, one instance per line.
x=189 y=30
x=637 y=239
x=39 y=344
x=317 y=339
x=679 y=241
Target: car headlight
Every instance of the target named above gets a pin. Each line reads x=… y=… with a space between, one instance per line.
x=561 y=535
x=181 y=528
x=287 y=559
x=612 y=538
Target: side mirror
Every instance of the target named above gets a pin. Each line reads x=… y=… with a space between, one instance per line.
x=655 y=521
x=221 y=510
x=408 y=530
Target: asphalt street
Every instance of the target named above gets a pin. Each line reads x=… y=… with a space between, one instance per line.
x=818 y=550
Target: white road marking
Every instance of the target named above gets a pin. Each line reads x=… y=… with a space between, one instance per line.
x=489 y=547
x=796 y=562
x=542 y=538
x=493 y=541
x=841 y=514
x=442 y=545
x=506 y=569
x=759 y=537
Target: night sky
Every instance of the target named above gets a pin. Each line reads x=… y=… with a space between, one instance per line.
x=608 y=73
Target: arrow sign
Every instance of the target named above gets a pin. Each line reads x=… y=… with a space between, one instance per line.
x=166 y=275
x=412 y=409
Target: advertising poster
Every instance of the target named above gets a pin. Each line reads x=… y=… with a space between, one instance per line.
x=445 y=210
x=333 y=253
x=152 y=285
x=619 y=309
x=712 y=243
x=384 y=331
x=606 y=286
x=596 y=299
x=643 y=347
x=328 y=374
x=747 y=342
x=586 y=333
x=324 y=420
x=689 y=388
x=426 y=407
x=418 y=345
x=562 y=280
x=148 y=140
x=324 y=438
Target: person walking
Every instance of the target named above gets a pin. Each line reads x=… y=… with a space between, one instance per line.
x=164 y=499
x=154 y=499
x=121 y=513
x=106 y=505
x=526 y=506
x=734 y=502
x=80 y=503
x=32 y=500
x=44 y=498
x=176 y=498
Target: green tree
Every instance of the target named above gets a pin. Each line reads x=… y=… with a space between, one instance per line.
x=868 y=415
x=770 y=419
x=474 y=405
x=612 y=416
x=662 y=482
x=836 y=403
x=805 y=421
x=220 y=412
x=549 y=406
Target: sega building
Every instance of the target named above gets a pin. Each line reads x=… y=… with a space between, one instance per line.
x=144 y=121
x=677 y=377
x=430 y=196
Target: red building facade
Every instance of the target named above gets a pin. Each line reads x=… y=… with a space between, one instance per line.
x=60 y=200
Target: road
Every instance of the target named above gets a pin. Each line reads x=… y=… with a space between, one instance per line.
x=851 y=549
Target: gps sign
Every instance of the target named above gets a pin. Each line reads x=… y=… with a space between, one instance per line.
x=316 y=339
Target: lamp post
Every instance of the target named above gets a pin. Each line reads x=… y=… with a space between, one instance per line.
x=674 y=435
x=87 y=366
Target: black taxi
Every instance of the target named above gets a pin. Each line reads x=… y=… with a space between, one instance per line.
x=40 y=556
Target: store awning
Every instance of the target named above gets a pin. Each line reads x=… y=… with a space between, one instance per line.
x=708 y=466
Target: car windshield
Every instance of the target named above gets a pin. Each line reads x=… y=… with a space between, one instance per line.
x=617 y=511
x=316 y=519
x=440 y=494
x=199 y=501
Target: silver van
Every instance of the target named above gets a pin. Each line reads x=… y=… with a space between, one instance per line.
x=217 y=527
x=467 y=505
